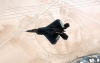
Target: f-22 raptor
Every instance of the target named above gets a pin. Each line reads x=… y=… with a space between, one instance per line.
x=53 y=31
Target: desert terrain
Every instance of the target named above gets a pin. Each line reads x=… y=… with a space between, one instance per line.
x=18 y=16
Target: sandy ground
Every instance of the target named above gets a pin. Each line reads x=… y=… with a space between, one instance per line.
x=18 y=46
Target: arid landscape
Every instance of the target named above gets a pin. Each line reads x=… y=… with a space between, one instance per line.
x=18 y=16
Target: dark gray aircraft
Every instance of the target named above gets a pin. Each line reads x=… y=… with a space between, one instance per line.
x=53 y=31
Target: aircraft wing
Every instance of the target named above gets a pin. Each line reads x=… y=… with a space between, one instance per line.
x=52 y=38
x=56 y=24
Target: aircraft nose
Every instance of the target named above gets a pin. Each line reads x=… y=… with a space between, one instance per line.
x=33 y=30
x=29 y=31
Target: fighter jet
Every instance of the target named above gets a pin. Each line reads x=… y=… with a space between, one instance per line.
x=53 y=31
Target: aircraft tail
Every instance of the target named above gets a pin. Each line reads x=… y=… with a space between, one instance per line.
x=64 y=36
x=66 y=25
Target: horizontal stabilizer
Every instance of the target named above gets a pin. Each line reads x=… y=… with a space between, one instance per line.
x=66 y=25
x=64 y=36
